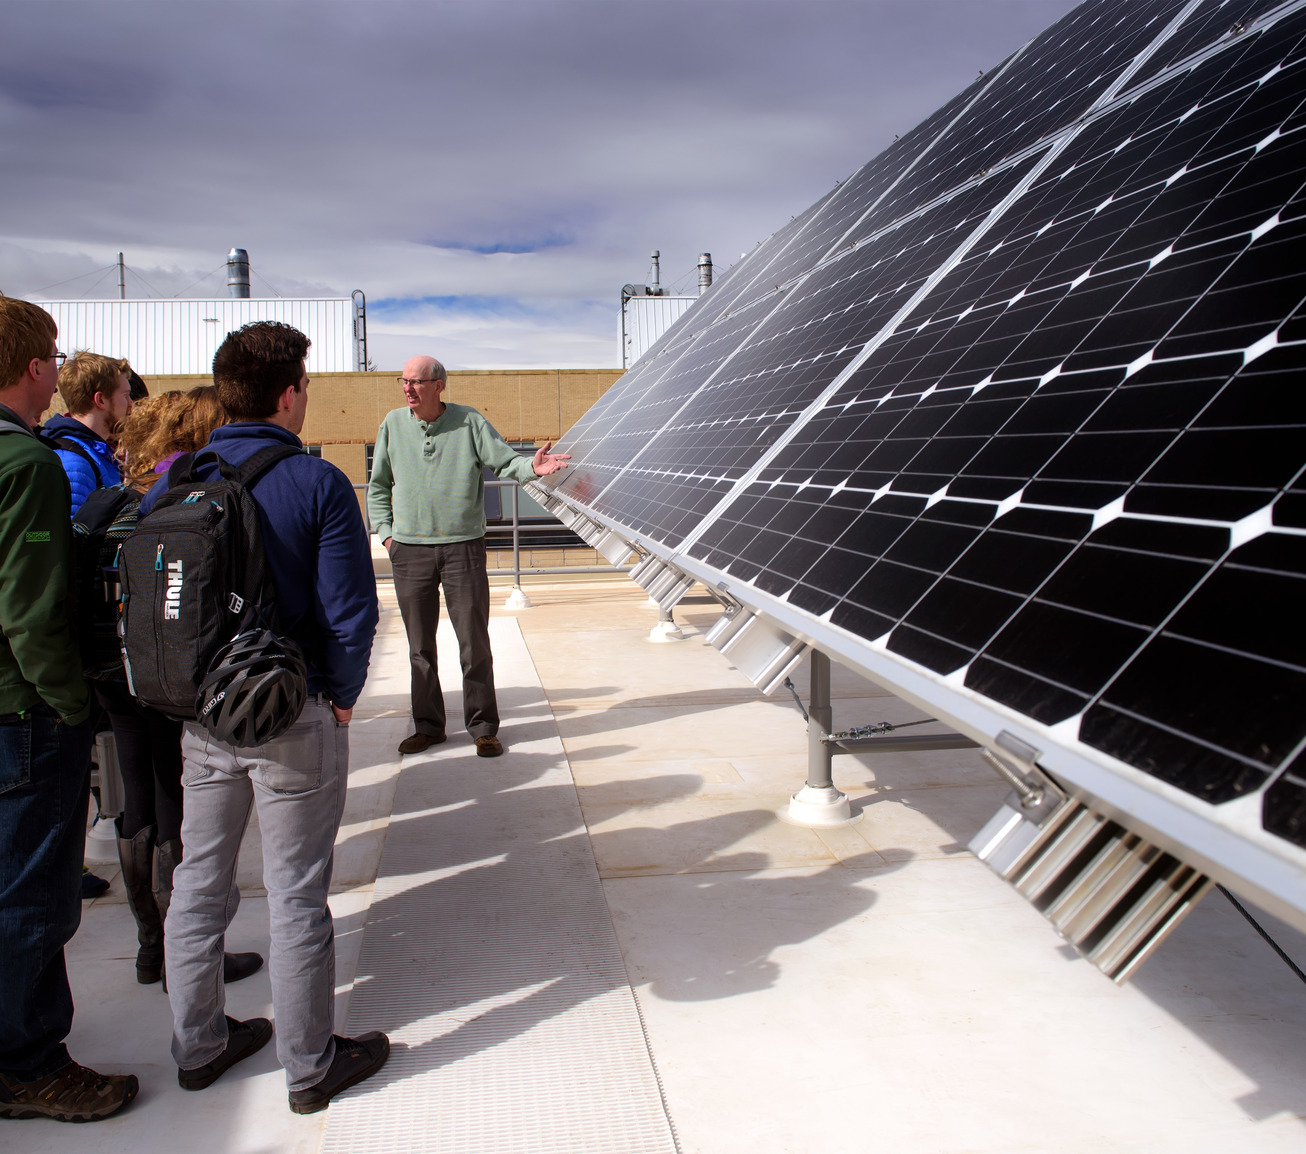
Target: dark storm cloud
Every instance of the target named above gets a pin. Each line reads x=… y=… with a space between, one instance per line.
x=527 y=150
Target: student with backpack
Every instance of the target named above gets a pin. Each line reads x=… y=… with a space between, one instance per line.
x=97 y=391
x=158 y=430
x=45 y=741
x=317 y=559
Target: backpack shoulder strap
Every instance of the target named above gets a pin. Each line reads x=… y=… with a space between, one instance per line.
x=182 y=470
x=254 y=467
x=73 y=445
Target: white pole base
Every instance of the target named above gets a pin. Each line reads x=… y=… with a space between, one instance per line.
x=665 y=631
x=819 y=807
x=102 y=842
x=517 y=599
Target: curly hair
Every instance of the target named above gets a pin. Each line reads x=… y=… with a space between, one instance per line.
x=171 y=422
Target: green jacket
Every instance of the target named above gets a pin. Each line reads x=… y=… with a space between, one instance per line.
x=39 y=658
x=427 y=486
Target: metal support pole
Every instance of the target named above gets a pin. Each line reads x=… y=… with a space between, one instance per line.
x=517 y=599
x=820 y=721
x=666 y=629
x=818 y=803
x=122 y=279
x=516 y=536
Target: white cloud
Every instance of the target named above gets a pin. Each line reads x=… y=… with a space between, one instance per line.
x=378 y=146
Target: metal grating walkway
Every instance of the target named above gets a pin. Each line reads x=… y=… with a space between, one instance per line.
x=490 y=959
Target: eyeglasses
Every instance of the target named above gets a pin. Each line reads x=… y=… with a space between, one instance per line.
x=417 y=380
x=57 y=357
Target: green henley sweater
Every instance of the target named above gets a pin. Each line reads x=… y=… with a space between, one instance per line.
x=427 y=486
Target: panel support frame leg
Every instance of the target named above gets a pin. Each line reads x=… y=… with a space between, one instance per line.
x=666 y=629
x=819 y=803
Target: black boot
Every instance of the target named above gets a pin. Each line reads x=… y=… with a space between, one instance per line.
x=136 y=855
x=167 y=856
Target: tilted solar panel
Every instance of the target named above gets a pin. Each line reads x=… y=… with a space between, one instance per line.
x=1015 y=420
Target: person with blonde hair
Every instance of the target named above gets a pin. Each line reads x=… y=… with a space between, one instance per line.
x=97 y=391
x=159 y=430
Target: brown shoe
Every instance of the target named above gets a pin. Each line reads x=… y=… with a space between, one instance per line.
x=72 y=1093
x=416 y=742
x=488 y=747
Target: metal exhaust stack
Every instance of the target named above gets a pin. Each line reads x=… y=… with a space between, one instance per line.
x=655 y=289
x=704 y=272
x=238 y=274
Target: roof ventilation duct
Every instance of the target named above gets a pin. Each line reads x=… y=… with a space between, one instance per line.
x=238 y=274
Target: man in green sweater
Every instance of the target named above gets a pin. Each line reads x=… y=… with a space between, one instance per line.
x=45 y=738
x=426 y=502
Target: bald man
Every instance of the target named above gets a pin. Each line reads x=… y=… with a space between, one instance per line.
x=426 y=501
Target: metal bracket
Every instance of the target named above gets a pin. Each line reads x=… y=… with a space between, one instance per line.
x=1035 y=795
x=669 y=587
x=646 y=572
x=761 y=652
x=613 y=548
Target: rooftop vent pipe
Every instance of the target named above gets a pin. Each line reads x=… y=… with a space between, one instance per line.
x=238 y=274
x=655 y=289
x=704 y=272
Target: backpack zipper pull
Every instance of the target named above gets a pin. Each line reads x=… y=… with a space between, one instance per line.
x=158 y=559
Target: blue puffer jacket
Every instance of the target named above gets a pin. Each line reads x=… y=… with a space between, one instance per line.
x=83 y=479
x=318 y=554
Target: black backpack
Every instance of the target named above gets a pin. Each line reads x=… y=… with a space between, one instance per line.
x=105 y=520
x=193 y=576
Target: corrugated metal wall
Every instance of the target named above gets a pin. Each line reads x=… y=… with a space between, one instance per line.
x=646 y=319
x=167 y=337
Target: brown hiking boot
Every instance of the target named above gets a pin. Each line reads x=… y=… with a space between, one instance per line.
x=72 y=1093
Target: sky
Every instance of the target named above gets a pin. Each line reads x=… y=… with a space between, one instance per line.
x=489 y=174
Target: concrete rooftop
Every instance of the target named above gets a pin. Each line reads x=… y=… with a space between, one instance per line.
x=868 y=989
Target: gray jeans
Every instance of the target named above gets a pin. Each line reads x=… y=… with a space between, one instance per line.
x=298 y=783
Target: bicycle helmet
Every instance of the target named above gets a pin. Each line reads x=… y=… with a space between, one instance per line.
x=254 y=690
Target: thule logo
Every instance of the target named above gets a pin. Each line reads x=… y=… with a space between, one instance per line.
x=172 y=598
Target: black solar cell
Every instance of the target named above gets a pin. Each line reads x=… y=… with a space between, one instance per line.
x=1040 y=433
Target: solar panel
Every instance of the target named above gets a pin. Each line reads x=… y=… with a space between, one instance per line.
x=1013 y=420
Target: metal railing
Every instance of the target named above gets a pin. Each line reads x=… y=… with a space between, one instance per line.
x=516 y=571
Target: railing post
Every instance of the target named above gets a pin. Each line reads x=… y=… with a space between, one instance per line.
x=516 y=599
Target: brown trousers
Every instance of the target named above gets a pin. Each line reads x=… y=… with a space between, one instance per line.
x=420 y=571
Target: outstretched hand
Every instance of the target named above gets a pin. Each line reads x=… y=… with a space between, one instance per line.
x=545 y=462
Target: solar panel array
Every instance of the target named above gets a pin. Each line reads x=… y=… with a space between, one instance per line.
x=1022 y=403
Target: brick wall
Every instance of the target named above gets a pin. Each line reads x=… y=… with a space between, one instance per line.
x=345 y=409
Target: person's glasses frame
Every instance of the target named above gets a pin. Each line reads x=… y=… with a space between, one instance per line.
x=416 y=380
x=57 y=357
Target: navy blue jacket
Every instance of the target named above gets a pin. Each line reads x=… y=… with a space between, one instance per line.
x=82 y=479
x=317 y=551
